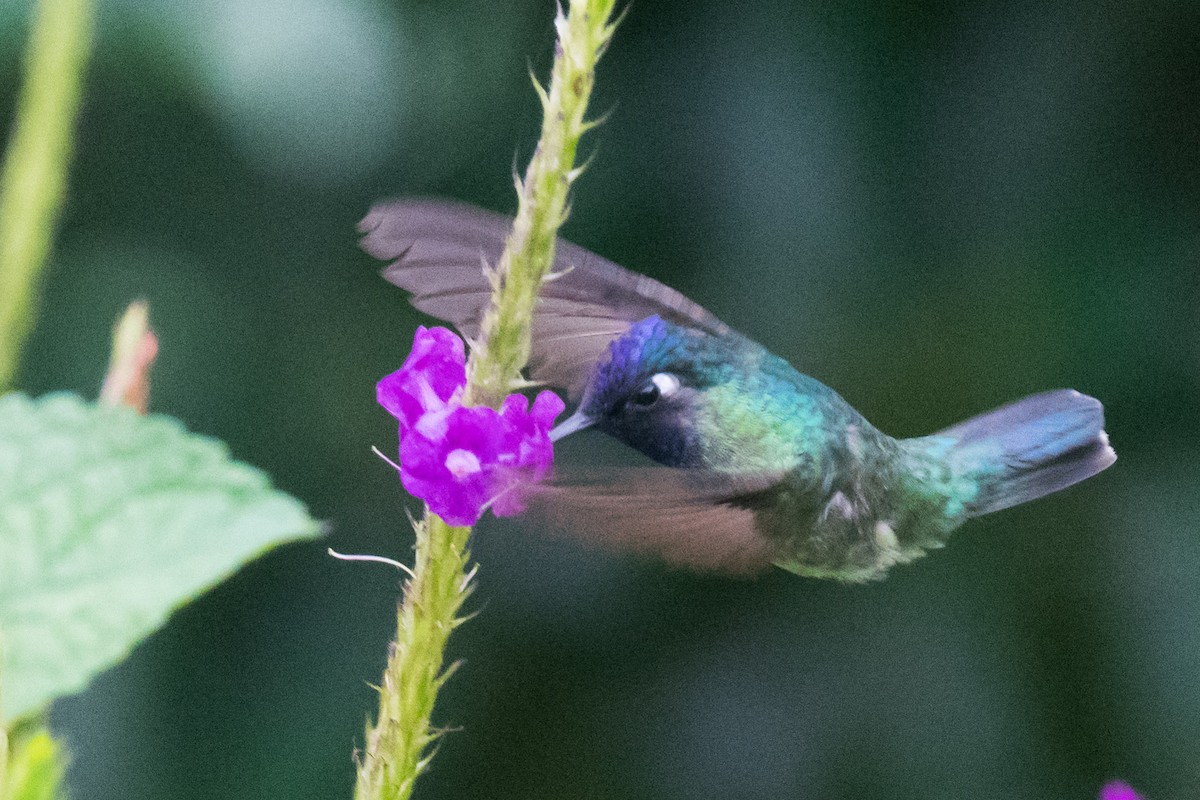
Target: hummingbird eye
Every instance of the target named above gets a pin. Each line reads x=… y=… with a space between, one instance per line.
x=646 y=396
x=662 y=384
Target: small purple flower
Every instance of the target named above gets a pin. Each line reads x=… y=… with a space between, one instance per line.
x=453 y=473
x=431 y=380
x=458 y=459
x=1118 y=790
x=528 y=453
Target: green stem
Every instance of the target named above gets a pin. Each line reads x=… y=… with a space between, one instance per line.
x=503 y=347
x=34 y=178
x=398 y=744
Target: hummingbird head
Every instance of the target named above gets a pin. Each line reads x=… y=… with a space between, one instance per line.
x=649 y=390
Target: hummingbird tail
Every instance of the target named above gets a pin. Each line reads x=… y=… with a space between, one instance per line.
x=1030 y=448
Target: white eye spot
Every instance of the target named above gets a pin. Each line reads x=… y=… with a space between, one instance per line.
x=667 y=383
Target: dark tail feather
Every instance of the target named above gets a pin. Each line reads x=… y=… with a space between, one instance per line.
x=1031 y=448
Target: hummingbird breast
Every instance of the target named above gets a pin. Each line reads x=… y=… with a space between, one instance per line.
x=852 y=501
x=876 y=504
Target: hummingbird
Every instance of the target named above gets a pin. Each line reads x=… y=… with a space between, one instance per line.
x=760 y=464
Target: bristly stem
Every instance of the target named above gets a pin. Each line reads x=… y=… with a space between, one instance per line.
x=34 y=177
x=399 y=745
x=503 y=347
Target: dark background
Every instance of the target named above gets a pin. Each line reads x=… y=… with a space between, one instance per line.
x=934 y=208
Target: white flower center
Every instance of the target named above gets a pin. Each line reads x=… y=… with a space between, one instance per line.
x=462 y=463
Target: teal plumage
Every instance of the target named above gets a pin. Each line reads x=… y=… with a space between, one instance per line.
x=762 y=464
x=846 y=501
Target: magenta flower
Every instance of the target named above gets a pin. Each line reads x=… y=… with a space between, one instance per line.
x=460 y=460
x=1118 y=790
x=431 y=380
x=454 y=472
x=528 y=454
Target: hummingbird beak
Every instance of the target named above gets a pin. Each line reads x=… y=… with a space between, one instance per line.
x=576 y=422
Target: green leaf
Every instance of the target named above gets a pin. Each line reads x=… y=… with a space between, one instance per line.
x=109 y=521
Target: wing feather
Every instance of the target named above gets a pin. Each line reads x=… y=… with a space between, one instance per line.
x=688 y=518
x=439 y=251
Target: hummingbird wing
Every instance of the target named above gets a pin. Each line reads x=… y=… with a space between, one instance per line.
x=688 y=518
x=440 y=252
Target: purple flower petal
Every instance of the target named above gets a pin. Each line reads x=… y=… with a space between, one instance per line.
x=456 y=459
x=546 y=408
x=431 y=380
x=461 y=459
x=1118 y=790
x=530 y=453
x=454 y=474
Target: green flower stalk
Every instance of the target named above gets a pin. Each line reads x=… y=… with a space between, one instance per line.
x=399 y=745
x=503 y=346
x=34 y=178
x=32 y=185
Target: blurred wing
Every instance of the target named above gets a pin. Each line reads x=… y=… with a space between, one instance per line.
x=439 y=251
x=685 y=517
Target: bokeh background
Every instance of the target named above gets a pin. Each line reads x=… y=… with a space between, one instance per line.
x=933 y=207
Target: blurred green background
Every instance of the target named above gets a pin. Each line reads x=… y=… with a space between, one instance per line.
x=934 y=208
